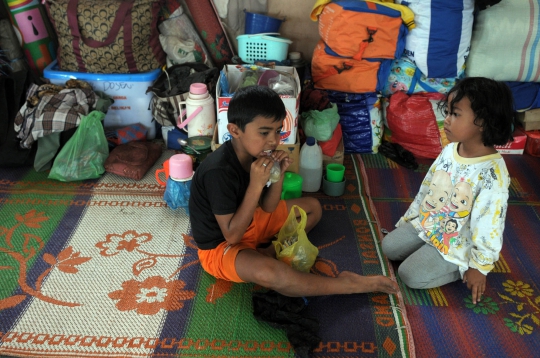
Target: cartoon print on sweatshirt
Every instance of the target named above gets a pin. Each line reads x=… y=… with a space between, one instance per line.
x=461 y=201
x=446 y=223
x=436 y=197
x=444 y=235
x=450 y=232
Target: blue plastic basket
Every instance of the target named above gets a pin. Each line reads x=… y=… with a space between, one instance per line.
x=263 y=47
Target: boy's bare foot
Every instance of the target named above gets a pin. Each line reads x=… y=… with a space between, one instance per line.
x=363 y=284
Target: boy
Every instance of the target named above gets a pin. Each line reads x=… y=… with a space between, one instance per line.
x=233 y=213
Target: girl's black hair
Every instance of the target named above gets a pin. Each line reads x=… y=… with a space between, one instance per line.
x=492 y=104
x=252 y=101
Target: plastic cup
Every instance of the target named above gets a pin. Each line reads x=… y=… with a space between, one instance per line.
x=331 y=188
x=335 y=172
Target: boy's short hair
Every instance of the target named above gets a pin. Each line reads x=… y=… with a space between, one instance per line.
x=493 y=106
x=252 y=101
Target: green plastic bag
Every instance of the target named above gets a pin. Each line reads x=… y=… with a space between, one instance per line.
x=83 y=155
x=320 y=124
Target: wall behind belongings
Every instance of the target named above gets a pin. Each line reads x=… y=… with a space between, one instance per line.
x=297 y=25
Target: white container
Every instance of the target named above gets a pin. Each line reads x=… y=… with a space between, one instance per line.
x=311 y=165
x=200 y=113
x=131 y=102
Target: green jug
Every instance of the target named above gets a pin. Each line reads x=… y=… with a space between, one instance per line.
x=292 y=186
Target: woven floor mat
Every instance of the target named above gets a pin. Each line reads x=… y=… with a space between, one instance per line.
x=103 y=268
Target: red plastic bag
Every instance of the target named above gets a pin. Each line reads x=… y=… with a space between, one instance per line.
x=330 y=146
x=413 y=124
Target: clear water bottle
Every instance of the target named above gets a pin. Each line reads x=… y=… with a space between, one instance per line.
x=311 y=165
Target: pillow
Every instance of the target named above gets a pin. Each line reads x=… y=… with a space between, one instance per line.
x=133 y=159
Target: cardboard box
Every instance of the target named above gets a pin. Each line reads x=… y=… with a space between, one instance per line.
x=515 y=147
x=530 y=119
x=292 y=149
x=292 y=104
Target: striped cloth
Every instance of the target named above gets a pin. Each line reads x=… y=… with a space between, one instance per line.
x=54 y=113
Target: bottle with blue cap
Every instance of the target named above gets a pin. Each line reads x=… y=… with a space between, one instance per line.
x=311 y=165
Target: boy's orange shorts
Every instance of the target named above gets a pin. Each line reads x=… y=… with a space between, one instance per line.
x=219 y=262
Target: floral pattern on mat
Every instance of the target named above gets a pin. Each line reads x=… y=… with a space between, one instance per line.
x=524 y=307
x=154 y=293
x=24 y=247
x=151 y=295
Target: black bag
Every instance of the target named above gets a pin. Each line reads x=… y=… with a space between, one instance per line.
x=12 y=96
x=14 y=82
x=172 y=87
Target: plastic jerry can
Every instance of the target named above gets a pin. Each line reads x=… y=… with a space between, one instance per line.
x=311 y=165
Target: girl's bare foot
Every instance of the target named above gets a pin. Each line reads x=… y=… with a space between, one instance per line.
x=363 y=284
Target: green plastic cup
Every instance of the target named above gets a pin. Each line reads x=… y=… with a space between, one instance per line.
x=335 y=172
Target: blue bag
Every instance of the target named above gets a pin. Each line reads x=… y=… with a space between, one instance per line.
x=177 y=193
x=360 y=119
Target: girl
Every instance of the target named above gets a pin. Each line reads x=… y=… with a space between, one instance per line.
x=454 y=227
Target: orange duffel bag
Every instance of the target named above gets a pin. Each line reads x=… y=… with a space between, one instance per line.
x=342 y=73
x=362 y=29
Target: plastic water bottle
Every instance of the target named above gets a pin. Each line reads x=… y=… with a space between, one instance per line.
x=311 y=165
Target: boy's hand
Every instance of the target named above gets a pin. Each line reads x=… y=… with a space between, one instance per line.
x=476 y=282
x=260 y=170
x=283 y=158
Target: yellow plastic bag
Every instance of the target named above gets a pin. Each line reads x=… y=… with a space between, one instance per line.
x=292 y=245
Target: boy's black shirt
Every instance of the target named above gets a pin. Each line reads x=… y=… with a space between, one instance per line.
x=218 y=187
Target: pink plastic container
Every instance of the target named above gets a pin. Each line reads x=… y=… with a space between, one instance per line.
x=181 y=167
